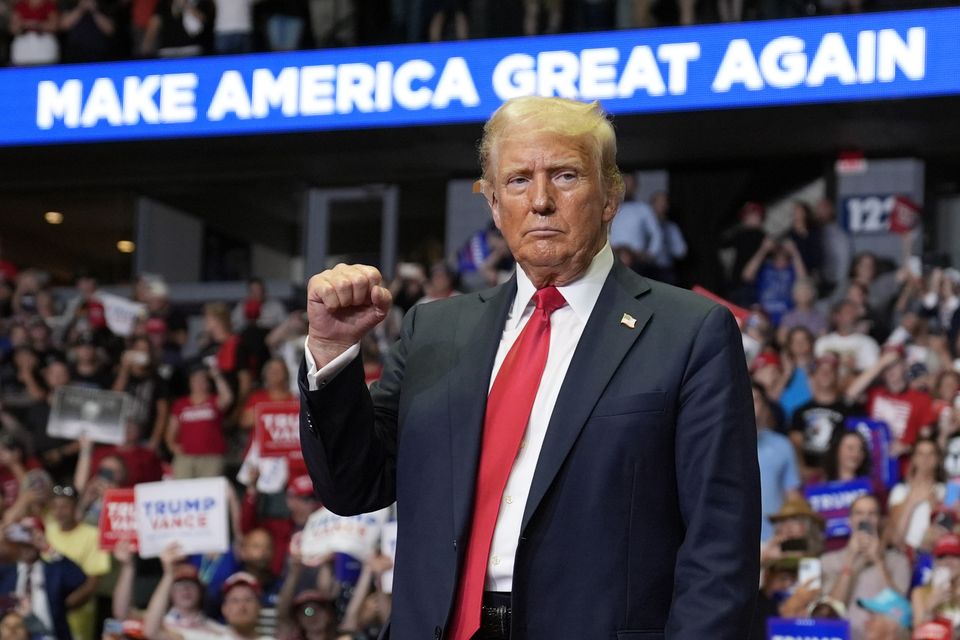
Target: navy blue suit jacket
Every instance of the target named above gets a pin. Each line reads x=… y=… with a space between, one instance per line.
x=643 y=519
x=61 y=578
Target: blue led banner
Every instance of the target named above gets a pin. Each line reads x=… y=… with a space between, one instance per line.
x=861 y=57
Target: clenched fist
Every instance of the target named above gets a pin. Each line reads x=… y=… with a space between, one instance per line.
x=343 y=305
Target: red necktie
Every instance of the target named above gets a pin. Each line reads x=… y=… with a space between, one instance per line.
x=508 y=411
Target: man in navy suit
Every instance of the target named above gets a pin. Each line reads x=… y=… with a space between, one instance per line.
x=49 y=586
x=573 y=453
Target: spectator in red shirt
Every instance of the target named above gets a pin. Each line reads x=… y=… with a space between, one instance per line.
x=276 y=388
x=33 y=24
x=906 y=411
x=141 y=462
x=195 y=433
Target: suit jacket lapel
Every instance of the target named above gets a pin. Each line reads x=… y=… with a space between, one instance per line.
x=603 y=344
x=477 y=340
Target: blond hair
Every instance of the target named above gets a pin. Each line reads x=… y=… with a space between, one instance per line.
x=219 y=312
x=569 y=118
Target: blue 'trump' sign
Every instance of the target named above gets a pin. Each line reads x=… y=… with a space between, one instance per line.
x=842 y=58
x=807 y=629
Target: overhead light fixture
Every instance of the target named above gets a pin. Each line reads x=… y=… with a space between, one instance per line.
x=53 y=217
x=126 y=246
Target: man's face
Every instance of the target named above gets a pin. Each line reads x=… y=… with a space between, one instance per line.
x=846 y=317
x=85 y=353
x=867 y=510
x=549 y=202
x=825 y=377
x=241 y=607
x=27 y=553
x=660 y=202
x=56 y=375
x=275 y=375
x=256 y=550
x=895 y=376
x=185 y=595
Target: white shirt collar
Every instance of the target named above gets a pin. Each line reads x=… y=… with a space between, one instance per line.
x=581 y=294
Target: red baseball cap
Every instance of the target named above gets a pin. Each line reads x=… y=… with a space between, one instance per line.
x=186 y=571
x=32 y=522
x=827 y=359
x=765 y=358
x=947 y=545
x=96 y=314
x=310 y=595
x=156 y=325
x=938 y=629
x=301 y=487
x=241 y=578
x=752 y=208
x=893 y=348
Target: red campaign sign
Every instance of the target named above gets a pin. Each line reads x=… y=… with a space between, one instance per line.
x=278 y=430
x=118 y=519
x=905 y=215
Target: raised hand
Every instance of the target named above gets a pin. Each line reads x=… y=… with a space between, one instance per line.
x=343 y=305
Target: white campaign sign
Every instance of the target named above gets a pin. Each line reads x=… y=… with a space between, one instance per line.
x=326 y=532
x=121 y=313
x=192 y=513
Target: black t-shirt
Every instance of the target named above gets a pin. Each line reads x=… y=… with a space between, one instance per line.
x=98 y=379
x=173 y=33
x=817 y=422
x=745 y=242
x=145 y=390
x=85 y=42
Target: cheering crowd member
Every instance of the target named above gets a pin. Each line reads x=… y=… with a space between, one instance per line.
x=504 y=522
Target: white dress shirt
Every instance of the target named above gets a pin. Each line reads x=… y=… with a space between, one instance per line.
x=566 y=327
x=39 y=605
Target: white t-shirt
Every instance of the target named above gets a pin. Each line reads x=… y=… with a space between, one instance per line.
x=864 y=348
x=920 y=518
x=233 y=16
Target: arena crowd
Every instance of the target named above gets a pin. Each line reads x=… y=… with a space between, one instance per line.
x=855 y=361
x=50 y=31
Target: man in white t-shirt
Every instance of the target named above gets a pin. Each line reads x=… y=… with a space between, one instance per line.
x=855 y=350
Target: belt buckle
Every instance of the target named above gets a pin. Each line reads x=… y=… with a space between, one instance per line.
x=497 y=621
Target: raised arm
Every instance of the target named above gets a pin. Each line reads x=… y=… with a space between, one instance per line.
x=348 y=443
x=224 y=393
x=160 y=600
x=862 y=382
x=753 y=265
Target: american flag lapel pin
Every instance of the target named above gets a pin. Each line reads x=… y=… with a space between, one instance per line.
x=628 y=321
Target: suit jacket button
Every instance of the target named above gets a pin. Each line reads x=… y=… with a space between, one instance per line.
x=437 y=632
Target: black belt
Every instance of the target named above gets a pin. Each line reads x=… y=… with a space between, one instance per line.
x=494 y=616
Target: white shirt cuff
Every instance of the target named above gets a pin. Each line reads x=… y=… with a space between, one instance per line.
x=319 y=378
